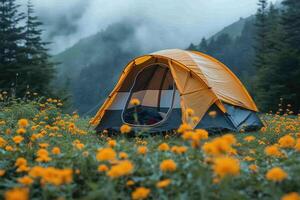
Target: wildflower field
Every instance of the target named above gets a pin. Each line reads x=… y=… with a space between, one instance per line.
x=45 y=154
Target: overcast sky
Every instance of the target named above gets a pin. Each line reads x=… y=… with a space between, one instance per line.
x=163 y=23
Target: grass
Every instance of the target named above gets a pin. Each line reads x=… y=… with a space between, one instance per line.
x=233 y=166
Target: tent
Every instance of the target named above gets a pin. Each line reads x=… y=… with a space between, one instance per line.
x=169 y=82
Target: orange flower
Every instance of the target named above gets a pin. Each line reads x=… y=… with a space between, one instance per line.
x=112 y=143
x=125 y=129
x=135 y=102
x=23 y=123
x=163 y=183
x=21 y=131
x=26 y=180
x=2 y=172
x=273 y=151
x=56 y=150
x=253 y=168
x=168 y=165
x=140 y=193
x=164 y=147
x=287 y=141
x=142 y=150
x=17 y=194
x=249 y=138
x=121 y=169
x=291 y=196
x=106 y=154
x=276 y=174
x=102 y=168
x=18 y=139
x=224 y=166
x=123 y=155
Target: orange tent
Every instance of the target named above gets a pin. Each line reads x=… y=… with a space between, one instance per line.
x=200 y=82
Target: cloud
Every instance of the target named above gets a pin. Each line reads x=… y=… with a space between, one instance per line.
x=159 y=23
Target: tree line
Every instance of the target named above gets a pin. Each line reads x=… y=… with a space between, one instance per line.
x=24 y=58
x=266 y=56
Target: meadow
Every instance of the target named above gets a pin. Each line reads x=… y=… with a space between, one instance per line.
x=47 y=154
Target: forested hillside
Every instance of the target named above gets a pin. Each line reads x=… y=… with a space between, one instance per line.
x=266 y=56
x=91 y=67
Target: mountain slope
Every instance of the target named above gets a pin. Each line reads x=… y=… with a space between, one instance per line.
x=235 y=29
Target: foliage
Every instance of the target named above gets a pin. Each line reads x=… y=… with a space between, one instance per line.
x=58 y=155
x=24 y=61
x=278 y=56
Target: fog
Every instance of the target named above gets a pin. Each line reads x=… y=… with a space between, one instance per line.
x=159 y=23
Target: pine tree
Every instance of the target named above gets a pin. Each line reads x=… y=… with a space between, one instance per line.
x=203 y=46
x=261 y=34
x=11 y=40
x=192 y=47
x=289 y=57
x=39 y=70
x=268 y=81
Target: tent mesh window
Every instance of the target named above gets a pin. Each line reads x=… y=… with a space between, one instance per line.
x=154 y=88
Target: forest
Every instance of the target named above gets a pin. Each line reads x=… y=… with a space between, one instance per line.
x=265 y=56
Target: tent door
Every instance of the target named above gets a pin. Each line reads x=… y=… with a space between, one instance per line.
x=154 y=88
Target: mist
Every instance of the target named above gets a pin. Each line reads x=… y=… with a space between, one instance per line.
x=159 y=24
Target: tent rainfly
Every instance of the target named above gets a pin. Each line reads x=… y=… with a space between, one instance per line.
x=169 y=82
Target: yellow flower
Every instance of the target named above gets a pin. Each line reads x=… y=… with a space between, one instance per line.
x=56 y=150
x=102 y=168
x=263 y=129
x=189 y=112
x=249 y=138
x=79 y=146
x=142 y=150
x=7 y=131
x=9 y=148
x=248 y=158
x=23 y=123
x=229 y=138
x=3 y=142
x=276 y=174
x=121 y=169
x=18 y=139
x=200 y=134
x=20 y=161
x=168 y=165
x=106 y=154
x=44 y=145
x=187 y=135
x=220 y=145
x=291 y=196
x=130 y=183
x=43 y=156
x=17 y=194
x=195 y=119
x=2 y=172
x=125 y=129
x=23 y=168
x=253 y=168
x=140 y=193
x=164 y=183
x=184 y=127
x=273 y=151
x=212 y=114
x=26 y=180
x=21 y=131
x=135 y=102
x=224 y=166
x=287 y=141
x=112 y=143
x=123 y=155
x=164 y=147
x=297 y=146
